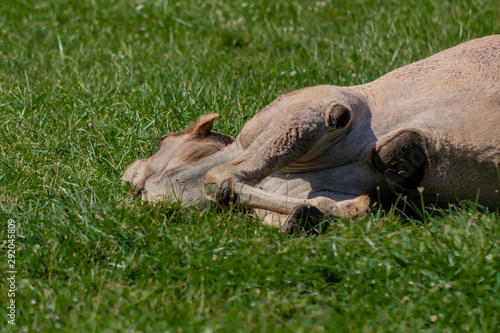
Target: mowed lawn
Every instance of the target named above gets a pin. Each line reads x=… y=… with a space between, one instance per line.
x=87 y=87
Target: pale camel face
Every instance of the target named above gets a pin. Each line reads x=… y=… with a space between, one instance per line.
x=176 y=150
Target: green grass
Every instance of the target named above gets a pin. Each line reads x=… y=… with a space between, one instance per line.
x=91 y=259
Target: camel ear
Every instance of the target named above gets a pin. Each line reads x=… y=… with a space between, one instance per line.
x=203 y=126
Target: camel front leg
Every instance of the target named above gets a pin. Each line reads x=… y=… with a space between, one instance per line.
x=302 y=214
x=292 y=133
x=253 y=197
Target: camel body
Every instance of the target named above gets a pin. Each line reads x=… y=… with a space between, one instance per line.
x=430 y=129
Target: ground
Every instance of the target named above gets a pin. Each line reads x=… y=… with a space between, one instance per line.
x=87 y=87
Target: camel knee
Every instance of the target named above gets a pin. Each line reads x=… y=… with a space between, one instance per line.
x=338 y=116
x=402 y=158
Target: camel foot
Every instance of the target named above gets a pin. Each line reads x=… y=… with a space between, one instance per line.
x=222 y=194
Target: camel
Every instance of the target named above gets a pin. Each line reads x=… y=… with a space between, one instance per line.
x=429 y=131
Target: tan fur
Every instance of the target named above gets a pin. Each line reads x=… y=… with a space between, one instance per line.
x=203 y=126
x=205 y=147
x=175 y=150
x=433 y=124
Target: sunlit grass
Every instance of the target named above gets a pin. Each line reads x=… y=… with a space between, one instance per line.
x=87 y=87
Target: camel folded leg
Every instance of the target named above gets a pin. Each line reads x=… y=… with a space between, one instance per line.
x=290 y=135
x=302 y=214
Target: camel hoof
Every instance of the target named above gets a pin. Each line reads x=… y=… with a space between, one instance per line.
x=305 y=219
x=222 y=194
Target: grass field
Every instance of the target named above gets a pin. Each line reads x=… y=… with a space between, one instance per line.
x=87 y=87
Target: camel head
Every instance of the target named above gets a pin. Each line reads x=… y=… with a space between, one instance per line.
x=174 y=150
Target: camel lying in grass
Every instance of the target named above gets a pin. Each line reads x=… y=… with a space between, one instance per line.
x=430 y=129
